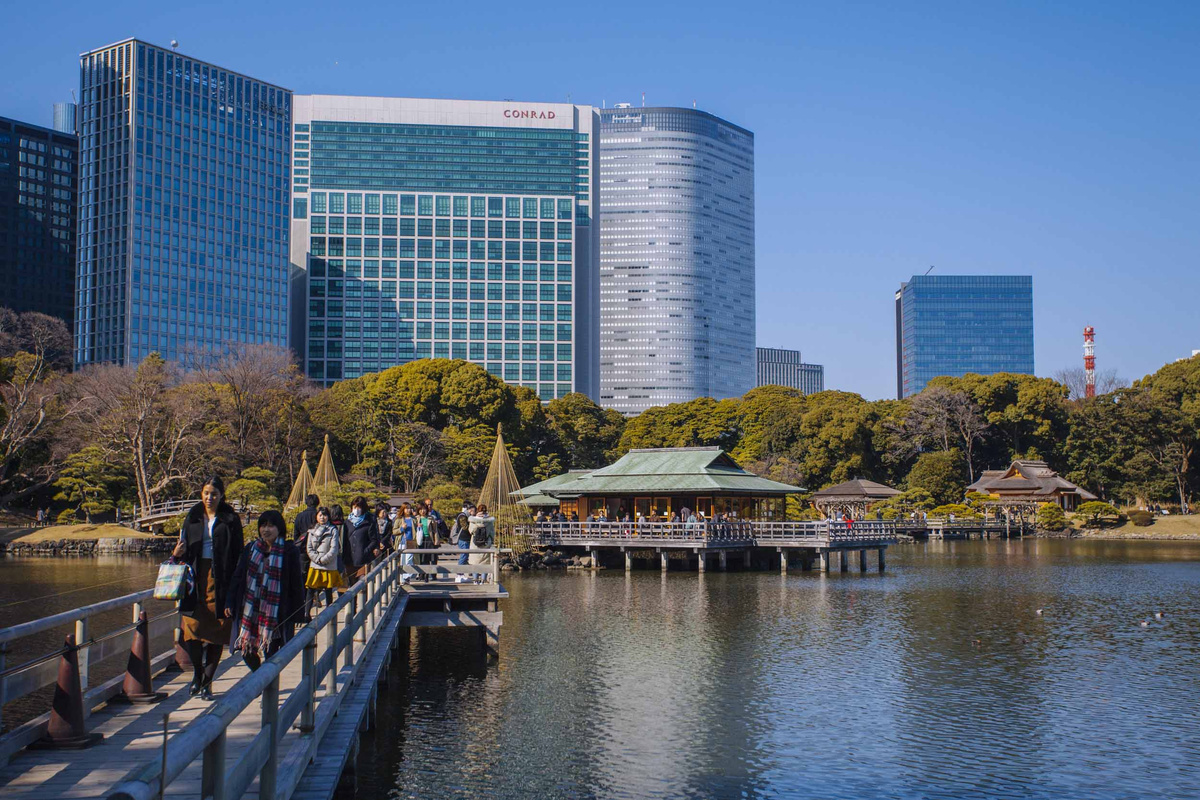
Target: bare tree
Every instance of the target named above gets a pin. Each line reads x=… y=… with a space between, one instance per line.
x=940 y=419
x=1075 y=379
x=148 y=420
x=34 y=401
x=248 y=385
x=418 y=453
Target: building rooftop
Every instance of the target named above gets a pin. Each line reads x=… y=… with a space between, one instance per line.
x=665 y=470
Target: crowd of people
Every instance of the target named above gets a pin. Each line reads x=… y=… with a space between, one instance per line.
x=250 y=597
x=684 y=516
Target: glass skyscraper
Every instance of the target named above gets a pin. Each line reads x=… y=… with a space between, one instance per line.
x=446 y=229
x=677 y=302
x=183 y=208
x=958 y=324
x=37 y=218
x=778 y=367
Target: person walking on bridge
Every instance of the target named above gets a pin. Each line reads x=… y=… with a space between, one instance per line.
x=325 y=561
x=266 y=597
x=210 y=541
x=483 y=535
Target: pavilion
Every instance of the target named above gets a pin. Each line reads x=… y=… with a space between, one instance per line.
x=1027 y=483
x=657 y=483
x=851 y=497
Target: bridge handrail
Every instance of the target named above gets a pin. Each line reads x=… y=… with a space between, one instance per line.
x=204 y=737
x=42 y=670
x=749 y=532
x=159 y=509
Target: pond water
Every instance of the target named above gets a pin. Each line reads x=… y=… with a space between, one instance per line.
x=938 y=679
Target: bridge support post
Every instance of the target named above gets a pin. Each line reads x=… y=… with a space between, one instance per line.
x=843 y=561
x=862 y=560
x=722 y=560
x=748 y=559
x=700 y=558
x=490 y=635
x=81 y=639
x=270 y=718
x=783 y=556
x=331 y=631
x=662 y=556
x=595 y=559
x=825 y=556
x=628 y=561
x=212 y=769
x=308 y=664
x=882 y=561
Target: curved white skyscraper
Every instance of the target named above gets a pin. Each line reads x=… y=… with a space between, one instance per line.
x=676 y=257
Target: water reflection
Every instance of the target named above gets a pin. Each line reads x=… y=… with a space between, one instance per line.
x=937 y=679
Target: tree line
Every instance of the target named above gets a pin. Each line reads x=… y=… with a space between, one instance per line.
x=114 y=436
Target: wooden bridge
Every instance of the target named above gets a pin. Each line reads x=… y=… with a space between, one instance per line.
x=819 y=541
x=317 y=693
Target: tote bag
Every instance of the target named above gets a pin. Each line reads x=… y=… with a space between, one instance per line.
x=172 y=581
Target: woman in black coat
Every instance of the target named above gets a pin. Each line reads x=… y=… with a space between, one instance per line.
x=210 y=541
x=269 y=585
x=363 y=539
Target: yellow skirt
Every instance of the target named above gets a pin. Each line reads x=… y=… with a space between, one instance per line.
x=324 y=579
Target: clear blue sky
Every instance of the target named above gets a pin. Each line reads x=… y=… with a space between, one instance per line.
x=1055 y=139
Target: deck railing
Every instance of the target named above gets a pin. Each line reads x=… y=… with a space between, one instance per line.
x=489 y=570
x=702 y=534
x=91 y=646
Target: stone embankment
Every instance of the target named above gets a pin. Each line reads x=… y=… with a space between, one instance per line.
x=89 y=547
x=547 y=559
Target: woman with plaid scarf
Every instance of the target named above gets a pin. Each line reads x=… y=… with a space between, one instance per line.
x=266 y=597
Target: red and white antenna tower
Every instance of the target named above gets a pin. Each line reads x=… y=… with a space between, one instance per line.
x=1089 y=361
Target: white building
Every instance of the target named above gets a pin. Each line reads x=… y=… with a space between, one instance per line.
x=677 y=317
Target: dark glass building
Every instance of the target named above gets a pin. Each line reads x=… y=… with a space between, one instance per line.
x=958 y=324
x=184 y=196
x=37 y=218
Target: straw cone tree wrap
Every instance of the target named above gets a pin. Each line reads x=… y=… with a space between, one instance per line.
x=498 y=495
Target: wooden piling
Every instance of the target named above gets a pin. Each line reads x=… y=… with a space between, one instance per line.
x=862 y=560
x=882 y=562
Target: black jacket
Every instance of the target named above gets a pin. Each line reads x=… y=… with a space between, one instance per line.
x=227 y=548
x=305 y=520
x=385 y=535
x=364 y=538
x=291 y=607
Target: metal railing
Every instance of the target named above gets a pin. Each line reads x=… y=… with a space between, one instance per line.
x=437 y=571
x=37 y=673
x=701 y=534
x=371 y=599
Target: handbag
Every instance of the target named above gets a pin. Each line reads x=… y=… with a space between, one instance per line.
x=174 y=580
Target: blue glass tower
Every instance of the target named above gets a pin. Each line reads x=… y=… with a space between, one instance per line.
x=183 y=207
x=446 y=229
x=958 y=324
